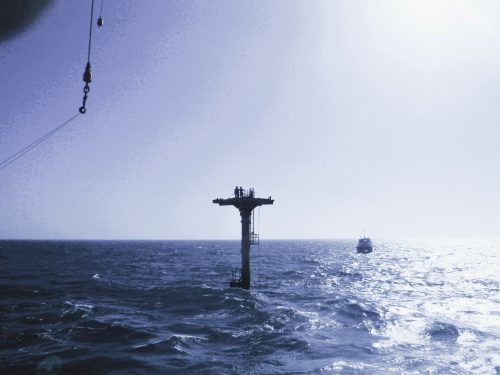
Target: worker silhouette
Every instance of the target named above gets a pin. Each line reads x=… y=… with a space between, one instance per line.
x=241 y=192
x=236 y=192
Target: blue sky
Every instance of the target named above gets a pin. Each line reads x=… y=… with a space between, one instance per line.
x=363 y=115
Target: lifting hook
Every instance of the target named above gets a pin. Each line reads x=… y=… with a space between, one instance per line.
x=87 y=78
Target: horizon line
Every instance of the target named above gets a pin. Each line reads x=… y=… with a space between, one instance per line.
x=239 y=239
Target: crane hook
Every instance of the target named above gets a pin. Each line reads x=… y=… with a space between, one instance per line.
x=87 y=78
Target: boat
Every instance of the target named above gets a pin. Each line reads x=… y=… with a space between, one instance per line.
x=364 y=245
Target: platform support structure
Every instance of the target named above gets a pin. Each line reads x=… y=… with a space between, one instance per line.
x=245 y=248
x=245 y=203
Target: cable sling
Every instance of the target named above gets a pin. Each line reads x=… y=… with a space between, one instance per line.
x=11 y=159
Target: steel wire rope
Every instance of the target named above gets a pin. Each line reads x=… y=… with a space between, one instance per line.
x=100 y=12
x=12 y=158
x=90 y=29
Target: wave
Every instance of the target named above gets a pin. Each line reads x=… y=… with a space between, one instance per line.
x=352 y=310
x=441 y=331
x=178 y=344
x=160 y=307
x=94 y=332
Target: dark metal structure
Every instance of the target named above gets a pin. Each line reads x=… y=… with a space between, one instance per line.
x=245 y=202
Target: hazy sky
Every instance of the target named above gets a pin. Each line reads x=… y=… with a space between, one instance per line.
x=380 y=116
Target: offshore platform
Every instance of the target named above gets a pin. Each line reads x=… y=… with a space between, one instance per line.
x=245 y=202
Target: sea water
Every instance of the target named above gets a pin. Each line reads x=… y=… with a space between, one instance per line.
x=315 y=307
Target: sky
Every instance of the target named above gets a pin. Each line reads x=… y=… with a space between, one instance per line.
x=377 y=116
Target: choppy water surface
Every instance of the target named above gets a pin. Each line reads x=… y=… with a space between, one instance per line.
x=315 y=307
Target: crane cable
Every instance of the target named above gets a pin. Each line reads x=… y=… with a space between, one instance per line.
x=11 y=159
x=99 y=20
x=87 y=76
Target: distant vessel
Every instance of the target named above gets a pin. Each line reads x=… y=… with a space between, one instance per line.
x=364 y=245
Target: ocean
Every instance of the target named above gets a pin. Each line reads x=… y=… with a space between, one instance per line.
x=315 y=307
